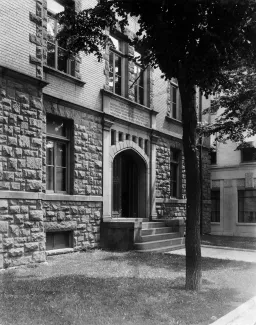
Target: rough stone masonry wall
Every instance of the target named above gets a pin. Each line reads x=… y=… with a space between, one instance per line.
x=21 y=230
x=168 y=208
x=83 y=218
x=87 y=148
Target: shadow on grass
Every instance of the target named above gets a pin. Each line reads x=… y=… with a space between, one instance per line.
x=80 y=299
x=172 y=262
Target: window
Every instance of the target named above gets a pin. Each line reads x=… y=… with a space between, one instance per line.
x=57 y=57
x=213 y=156
x=215 y=206
x=57 y=154
x=175 y=104
x=174 y=170
x=248 y=154
x=247 y=206
x=117 y=66
x=58 y=240
x=140 y=86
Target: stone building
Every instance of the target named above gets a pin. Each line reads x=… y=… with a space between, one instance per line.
x=233 y=183
x=83 y=144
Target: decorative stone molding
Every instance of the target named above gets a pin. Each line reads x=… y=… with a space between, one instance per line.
x=227 y=182
x=107 y=124
x=249 y=180
x=128 y=144
x=240 y=182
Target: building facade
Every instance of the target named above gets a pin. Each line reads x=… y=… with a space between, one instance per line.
x=233 y=195
x=82 y=142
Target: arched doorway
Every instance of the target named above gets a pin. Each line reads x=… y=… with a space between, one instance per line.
x=129 y=185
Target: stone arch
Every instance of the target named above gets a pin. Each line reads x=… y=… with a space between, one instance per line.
x=128 y=144
x=129 y=148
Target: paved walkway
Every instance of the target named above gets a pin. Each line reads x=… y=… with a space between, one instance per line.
x=225 y=254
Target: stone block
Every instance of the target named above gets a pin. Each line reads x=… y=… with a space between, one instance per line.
x=8 y=243
x=36 y=215
x=34 y=163
x=24 y=141
x=15 y=186
x=3 y=226
x=34 y=186
x=19 y=218
x=1 y=261
x=14 y=230
x=31 y=246
x=39 y=257
x=3 y=205
x=55 y=226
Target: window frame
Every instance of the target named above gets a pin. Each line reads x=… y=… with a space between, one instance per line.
x=124 y=65
x=174 y=114
x=217 y=199
x=69 y=71
x=175 y=163
x=56 y=139
x=144 y=74
x=238 y=203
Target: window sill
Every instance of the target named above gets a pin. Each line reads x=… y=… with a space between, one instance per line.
x=59 y=251
x=215 y=223
x=64 y=76
x=173 y=120
x=246 y=224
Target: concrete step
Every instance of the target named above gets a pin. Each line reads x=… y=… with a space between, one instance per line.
x=150 y=225
x=164 y=249
x=155 y=231
x=159 y=244
x=157 y=237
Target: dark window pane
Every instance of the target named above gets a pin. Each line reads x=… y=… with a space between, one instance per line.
x=174 y=102
x=49 y=178
x=249 y=154
x=49 y=153
x=61 y=155
x=51 y=55
x=60 y=179
x=118 y=64
x=58 y=240
x=174 y=178
x=215 y=206
x=62 y=60
x=141 y=96
x=56 y=127
x=72 y=67
x=247 y=206
x=118 y=84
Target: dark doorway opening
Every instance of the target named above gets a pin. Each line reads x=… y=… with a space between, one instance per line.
x=129 y=186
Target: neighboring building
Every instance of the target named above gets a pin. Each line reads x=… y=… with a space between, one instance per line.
x=82 y=142
x=233 y=192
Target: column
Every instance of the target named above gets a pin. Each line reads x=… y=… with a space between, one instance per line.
x=153 y=213
x=106 y=170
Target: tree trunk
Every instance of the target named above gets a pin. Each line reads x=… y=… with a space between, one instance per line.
x=193 y=189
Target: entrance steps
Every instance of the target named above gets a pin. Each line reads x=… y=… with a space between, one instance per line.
x=157 y=237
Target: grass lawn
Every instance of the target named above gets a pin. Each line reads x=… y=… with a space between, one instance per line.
x=98 y=287
x=229 y=241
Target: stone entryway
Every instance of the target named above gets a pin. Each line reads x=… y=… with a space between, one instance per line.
x=128 y=185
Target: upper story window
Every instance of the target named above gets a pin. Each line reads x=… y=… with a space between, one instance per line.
x=248 y=154
x=174 y=110
x=140 y=83
x=175 y=171
x=57 y=57
x=117 y=66
x=57 y=154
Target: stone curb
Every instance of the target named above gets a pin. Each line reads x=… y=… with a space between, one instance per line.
x=242 y=315
x=230 y=248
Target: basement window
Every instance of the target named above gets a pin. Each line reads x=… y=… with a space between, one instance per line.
x=58 y=240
